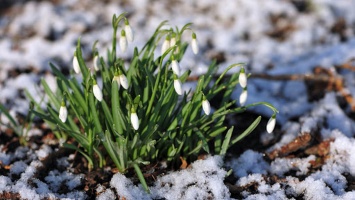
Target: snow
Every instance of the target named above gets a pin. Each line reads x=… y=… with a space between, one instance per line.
x=42 y=32
x=203 y=180
x=18 y=167
x=249 y=162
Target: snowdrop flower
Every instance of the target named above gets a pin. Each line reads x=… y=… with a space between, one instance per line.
x=97 y=91
x=76 y=64
x=175 y=67
x=63 y=112
x=243 y=97
x=173 y=39
x=134 y=120
x=271 y=124
x=242 y=78
x=166 y=45
x=194 y=44
x=206 y=106
x=123 y=41
x=96 y=62
x=128 y=31
x=121 y=79
x=177 y=85
x=117 y=79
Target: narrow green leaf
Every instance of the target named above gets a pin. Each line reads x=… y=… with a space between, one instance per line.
x=226 y=141
x=203 y=139
x=141 y=177
x=247 y=131
x=53 y=99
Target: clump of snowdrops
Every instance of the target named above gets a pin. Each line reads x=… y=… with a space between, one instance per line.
x=140 y=114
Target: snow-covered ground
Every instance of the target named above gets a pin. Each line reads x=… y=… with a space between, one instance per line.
x=274 y=37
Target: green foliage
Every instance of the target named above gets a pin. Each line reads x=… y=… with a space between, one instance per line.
x=169 y=125
x=20 y=129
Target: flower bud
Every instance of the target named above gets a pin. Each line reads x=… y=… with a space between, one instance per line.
x=194 y=44
x=128 y=31
x=134 y=120
x=96 y=62
x=177 y=86
x=117 y=79
x=123 y=41
x=271 y=124
x=166 y=45
x=243 y=97
x=76 y=64
x=175 y=67
x=63 y=112
x=97 y=92
x=123 y=81
x=173 y=39
x=242 y=78
x=206 y=106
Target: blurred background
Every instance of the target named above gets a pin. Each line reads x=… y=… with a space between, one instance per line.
x=274 y=37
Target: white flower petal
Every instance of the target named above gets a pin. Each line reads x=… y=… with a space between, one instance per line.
x=123 y=81
x=172 y=41
x=175 y=67
x=165 y=46
x=243 y=97
x=177 y=86
x=97 y=92
x=271 y=125
x=194 y=46
x=123 y=43
x=63 y=113
x=129 y=33
x=243 y=79
x=96 y=62
x=134 y=121
x=76 y=65
x=117 y=80
x=206 y=107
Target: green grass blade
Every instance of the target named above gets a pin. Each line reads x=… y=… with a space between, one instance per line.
x=247 y=131
x=225 y=144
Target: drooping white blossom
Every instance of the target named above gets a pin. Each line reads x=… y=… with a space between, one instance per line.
x=76 y=65
x=63 y=112
x=173 y=40
x=243 y=97
x=134 y=120
x=97 y=92
x=206 y=106
x=175 y=67
x=123 y=41
x=242 y=78
x=96 y=62
x=166 y=45
x=177 y=86
x=194 y=44
x=123 y=81
x=129 y=32
x=117 y=79
x=271 y=124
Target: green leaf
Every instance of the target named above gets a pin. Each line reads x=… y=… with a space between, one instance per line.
x=83 y=68
x=247 y=131
x=7 y=114
x=141 y=177
x=71 y=146
x=203 y=139
x=226 y=141
x=53 y=99
x=112 y=150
